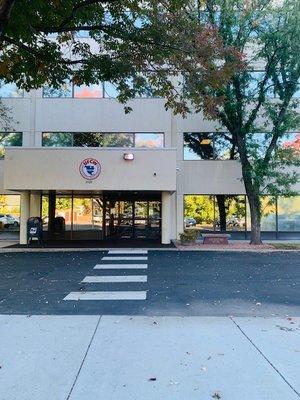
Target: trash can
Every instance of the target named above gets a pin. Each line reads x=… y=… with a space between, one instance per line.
x=59 y=224
x=35 y=229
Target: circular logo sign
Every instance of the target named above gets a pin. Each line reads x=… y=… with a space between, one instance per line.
x=90 y=168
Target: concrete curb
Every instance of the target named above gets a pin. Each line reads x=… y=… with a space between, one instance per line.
x=72 y=250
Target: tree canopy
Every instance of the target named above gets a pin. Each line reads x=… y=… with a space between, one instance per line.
x=132 y=44
x=256 y=105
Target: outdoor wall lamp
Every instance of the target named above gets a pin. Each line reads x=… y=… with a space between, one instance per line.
x=128 y=156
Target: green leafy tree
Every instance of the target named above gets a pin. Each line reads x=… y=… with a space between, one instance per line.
x=256 y=108
x=135 y=45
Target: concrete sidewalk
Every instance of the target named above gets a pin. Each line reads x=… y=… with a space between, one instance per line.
x=148 y=358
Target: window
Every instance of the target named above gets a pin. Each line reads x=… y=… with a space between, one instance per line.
x=10 y=90
x=252 y=89
x=86 y=139
x=97 y=139
x=88 y=92
x=9 y=139
x=110 y=90
x=289 y=214
x=92 y=91
x=9 y=213
x=209 y=146
x=65 y=91
x=117 y=140
x=57 y=139
x=149 y=140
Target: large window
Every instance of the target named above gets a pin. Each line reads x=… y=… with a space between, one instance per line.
x=289 y=214
x=232 y=213
x=9 y=213
x=10 y=90
x=97 y=139
x=209 y=146
x=9 y=139
x=100 y=90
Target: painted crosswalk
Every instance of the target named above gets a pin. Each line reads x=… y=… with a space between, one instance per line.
x=122 y=261
x=121 y=266
x=115 y=278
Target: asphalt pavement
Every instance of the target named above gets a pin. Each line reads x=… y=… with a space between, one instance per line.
x=166 y=283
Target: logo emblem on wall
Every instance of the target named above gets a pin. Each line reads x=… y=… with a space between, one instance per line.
x=90 y=168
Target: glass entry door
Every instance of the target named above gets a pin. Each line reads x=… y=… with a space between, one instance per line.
x=132 y=219
x=119 y=219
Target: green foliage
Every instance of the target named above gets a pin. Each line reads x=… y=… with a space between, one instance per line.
x=189 y=235
x=266 y=35
x=138 y=46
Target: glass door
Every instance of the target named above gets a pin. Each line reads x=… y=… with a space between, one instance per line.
x=119 y=219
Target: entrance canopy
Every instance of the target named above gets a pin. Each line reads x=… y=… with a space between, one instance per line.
x=90 y=169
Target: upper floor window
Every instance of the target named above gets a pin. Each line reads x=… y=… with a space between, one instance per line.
x=65 y=90
x=97 y=139
x=88 y=91
x=10 y=90
x=100 y=90
x=209 y=146
x=9 y=139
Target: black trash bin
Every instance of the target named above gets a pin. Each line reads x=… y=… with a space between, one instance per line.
x=35 y=229
x=59 y=224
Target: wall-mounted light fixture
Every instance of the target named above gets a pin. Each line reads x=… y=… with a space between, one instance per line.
x=128 y=156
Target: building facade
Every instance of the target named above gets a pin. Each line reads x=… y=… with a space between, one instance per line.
x=91 y=171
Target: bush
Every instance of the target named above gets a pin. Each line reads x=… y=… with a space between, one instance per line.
x=189 y=235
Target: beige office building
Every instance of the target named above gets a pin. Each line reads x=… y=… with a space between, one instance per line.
x=93 y=172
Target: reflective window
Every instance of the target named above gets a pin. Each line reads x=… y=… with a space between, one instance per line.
x=97 y=139
x=88 y=91
x=199 y=211
x=110 y=90
x=149 y=140
x=268 y=217
x=117 y=140
x=9 y=139
x=224 y=147
x=57 y=139
x=66 y=90
x=289 y=214
x=256 y=77
x=209 y=146
x=10 y=90
x=291 y=140
x=198 y=146
x=9 y=214
x=86 y=139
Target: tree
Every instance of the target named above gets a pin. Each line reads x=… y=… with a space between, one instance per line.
x=135 y=45
x=256 y=107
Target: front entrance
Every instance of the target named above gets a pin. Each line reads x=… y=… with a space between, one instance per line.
x=111 y=215
x=132 y=215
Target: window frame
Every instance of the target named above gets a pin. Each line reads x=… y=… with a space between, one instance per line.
x=104 y=133
x=215 y=158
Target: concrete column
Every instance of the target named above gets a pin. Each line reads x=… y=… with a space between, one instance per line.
x=166 y=217
x=25 y=213
x=35 y=205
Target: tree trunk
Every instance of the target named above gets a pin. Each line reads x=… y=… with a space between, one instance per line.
x=222 y=211
x=254 y=204
x=5 y=10
x=252 y=190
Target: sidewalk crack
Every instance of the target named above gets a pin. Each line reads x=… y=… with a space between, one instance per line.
x=265 y=357
x=84 y=358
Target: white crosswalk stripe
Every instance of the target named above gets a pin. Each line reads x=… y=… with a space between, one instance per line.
x=128 y=252
x=121 y=266
x=139 y=295
x=123 y=258
x=115 y=278
x=126 y=256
